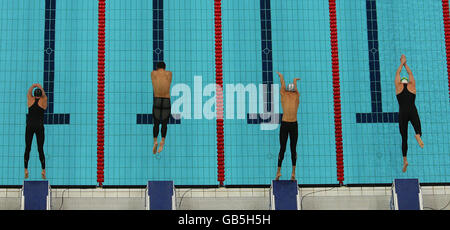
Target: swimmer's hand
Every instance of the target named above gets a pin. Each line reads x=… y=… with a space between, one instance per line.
x=403 y=59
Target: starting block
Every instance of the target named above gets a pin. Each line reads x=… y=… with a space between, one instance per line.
x=160 y=195
x=406 y=195
x=36 y=195
x=284 y=195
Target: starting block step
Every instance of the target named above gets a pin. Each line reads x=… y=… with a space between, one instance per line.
x=406 y=195
x=284 y=195
x=161 y=195
x=36 y=195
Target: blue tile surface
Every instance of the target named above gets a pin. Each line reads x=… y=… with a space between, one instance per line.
x=54 y=42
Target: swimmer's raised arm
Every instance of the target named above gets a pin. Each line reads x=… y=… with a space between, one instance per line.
x=399 y=70
x=295 y=85
x=44 y=96
x=283 y=84
x=30 y=91
x=410 y=75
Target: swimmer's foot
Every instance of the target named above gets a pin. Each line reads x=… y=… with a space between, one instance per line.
x=419 y=140
x=155 y=146
x=293 y=172
x=43 y=174
x=278 y=176
x=26 y=173
x=161 y=146
x=405 y=165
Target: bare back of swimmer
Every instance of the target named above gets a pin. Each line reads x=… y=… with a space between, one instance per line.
x=405 y=90
x=161 y=80
x=289 y=126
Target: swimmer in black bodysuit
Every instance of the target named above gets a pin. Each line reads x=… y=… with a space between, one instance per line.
x=37 y=104
x=405 y=90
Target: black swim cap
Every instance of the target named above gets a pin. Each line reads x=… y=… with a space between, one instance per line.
x=38 y=92
x=161 y=65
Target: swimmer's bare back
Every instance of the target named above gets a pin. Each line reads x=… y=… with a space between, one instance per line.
x=289 y=100
x=161 y=80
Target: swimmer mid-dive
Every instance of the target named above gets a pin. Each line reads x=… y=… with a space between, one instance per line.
x=37 y=104
x=405 y=90
x=289 y=127
x=161 y=80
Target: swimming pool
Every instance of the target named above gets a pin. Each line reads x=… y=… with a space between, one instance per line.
x=58 y=39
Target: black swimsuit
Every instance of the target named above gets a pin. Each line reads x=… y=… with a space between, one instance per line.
x=161 y=115
x=35 y=125
x=288 y=129
x=407 y=112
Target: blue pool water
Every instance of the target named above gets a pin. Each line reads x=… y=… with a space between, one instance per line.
x=259 y=37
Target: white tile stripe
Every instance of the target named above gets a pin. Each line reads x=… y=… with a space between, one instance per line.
x=227 y=192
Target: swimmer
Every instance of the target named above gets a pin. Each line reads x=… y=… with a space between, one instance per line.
x=37 y=104
x=289 y=127
x=405 y=89
x=161 y=80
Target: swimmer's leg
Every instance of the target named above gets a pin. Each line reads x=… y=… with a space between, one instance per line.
x=415 y=121
x=40 y=137
x=293 y=137
x=283 y=141
x=163 y=135
x=155 y=134
x=165 y=117
x=403 y=125
x=28 y=141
